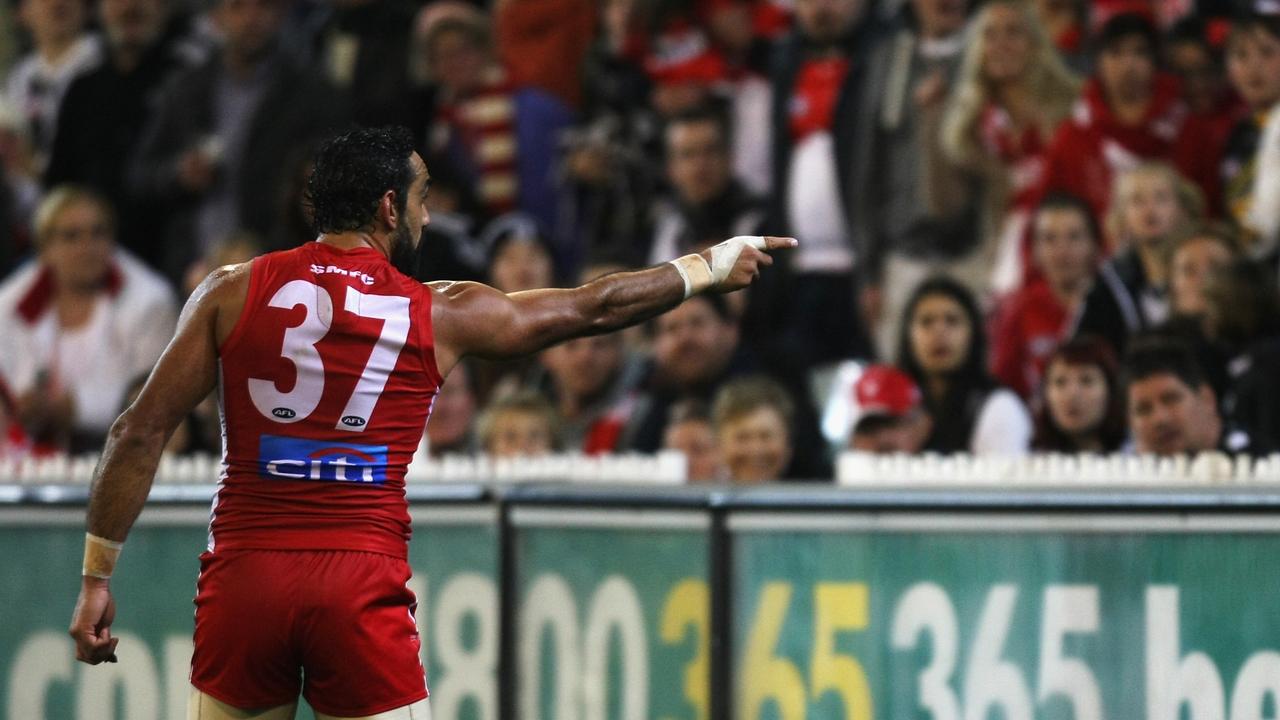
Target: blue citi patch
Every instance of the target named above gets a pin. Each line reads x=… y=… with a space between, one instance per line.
x=286 y=458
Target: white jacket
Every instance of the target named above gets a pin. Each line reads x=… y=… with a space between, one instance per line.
x=130 y=326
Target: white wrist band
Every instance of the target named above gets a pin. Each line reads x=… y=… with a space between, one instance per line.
x=100 y=556
x=695 y=272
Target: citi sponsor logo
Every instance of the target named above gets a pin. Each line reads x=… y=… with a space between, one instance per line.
x=286 y=458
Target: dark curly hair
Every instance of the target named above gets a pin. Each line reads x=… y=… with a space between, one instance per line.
x=353 y=171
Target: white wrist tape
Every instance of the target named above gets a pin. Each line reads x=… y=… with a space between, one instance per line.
x=699 y=276
x=100 y=555
x=695 y=272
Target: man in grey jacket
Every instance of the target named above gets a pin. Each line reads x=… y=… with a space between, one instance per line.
x=914 y=212
x=216 y=147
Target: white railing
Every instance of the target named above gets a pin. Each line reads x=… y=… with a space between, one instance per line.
x=1209 y=468
x=664 y=468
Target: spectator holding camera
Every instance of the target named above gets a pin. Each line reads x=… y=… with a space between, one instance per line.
x=217 y=145
x=105 y=110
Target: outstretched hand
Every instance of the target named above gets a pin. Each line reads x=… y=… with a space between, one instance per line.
x=91 y=623
x=736 y=262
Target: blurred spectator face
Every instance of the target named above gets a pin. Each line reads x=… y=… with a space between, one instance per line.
x=756 y=446
x=1253 y=64
x=672 y=98
x=78 y=246
x=453 y=410
x=939 y=18
x=521 y=264
x=52 y=22
x=518 y=432
x=1150 y=208
x=730 y=26
x=1127 y=69
x=249 y=27
x=1169 y=417
x=1064 y=246
x=826 y=21
x=890 y=415
x=1006 y=44
x=697 y=160
x=1192 y=264
x=457 y=61
x=132 y=23
x=697 y=440
x=692 y=344
x=889 y=435
x=584 y=367
x=1076 y=397
x=1201 y=79
x=940 y=334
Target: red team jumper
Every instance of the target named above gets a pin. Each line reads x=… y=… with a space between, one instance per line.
x=327 y=380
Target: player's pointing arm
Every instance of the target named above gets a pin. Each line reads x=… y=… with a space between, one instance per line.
x=474 y=319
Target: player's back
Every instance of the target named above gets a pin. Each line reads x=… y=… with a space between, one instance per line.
x=325 y=385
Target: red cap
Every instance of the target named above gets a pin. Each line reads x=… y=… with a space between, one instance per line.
x=885 y=390
x=682 y=54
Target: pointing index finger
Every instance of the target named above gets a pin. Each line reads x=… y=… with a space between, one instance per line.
x=778 y=243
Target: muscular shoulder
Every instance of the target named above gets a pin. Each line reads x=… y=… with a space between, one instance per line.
x=221 y=296
x=224 y=282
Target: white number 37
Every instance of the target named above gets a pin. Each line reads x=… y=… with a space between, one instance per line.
x=300 y=349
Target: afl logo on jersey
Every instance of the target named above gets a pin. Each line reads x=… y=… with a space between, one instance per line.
x=284 y=412
x=353 y=421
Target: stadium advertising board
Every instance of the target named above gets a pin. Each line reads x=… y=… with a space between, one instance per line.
x=613 y=619
x=964 y=616
x=453 y=553
x=1015 y=617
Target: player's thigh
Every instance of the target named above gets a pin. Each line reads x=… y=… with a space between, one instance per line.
x=201 y=706
x=417 y=711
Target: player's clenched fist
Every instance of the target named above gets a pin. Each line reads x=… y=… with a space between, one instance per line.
x=91 y=623
x=729 y=266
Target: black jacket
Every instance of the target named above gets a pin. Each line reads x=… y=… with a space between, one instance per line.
x=1113 y=309
x=789 y=57
x=297 y=108
x=99 y=125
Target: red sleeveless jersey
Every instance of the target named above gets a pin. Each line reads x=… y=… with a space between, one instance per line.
x=325 y=385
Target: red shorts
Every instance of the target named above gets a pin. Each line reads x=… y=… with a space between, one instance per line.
x=336 y=625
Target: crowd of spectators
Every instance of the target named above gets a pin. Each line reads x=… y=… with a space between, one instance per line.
x=1025 y=225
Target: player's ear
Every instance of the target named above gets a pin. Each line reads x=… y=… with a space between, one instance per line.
x=387 y=210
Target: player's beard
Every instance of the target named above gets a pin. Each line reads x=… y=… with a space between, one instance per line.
x=404 y=256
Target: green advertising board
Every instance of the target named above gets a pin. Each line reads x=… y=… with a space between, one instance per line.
x=971 y=617
x=453 y=553
x=613 y=619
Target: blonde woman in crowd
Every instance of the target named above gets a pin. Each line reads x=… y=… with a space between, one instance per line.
x=1012 y=92
x=1150 y=205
